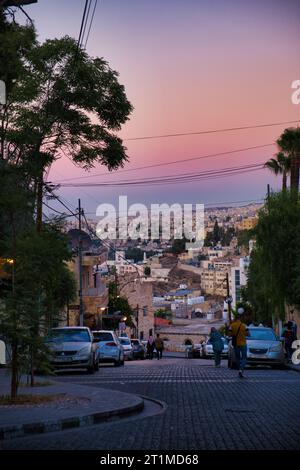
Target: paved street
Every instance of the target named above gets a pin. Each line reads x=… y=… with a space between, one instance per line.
x=207 y=408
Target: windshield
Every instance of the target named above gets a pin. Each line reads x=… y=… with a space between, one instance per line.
x=69 y=335
x=103 y=336
x=261 y=335
x=125 y=341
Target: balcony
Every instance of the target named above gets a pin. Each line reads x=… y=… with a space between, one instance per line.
x=94 y=291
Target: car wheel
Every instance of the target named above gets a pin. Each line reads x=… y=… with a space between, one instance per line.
x=91 y=369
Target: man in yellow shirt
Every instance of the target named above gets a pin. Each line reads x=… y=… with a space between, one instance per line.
x=239 y=332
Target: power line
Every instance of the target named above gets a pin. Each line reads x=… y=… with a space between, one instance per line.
x=63 y=215
x=82 y=24
x=212 y=131
x=207 y=174
x=211 y=155
x=108 y=245
x=86 y=20
x=91 y=22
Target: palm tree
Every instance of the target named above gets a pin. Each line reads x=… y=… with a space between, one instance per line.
x=289 y=144
x=281 y=165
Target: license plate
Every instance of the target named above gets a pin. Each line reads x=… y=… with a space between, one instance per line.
x=64 y=359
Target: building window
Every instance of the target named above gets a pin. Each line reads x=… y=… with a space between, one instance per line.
x=145 y=310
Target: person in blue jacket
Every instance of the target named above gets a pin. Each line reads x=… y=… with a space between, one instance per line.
x=215 y=339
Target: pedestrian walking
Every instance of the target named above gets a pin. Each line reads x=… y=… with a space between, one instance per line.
x=289 y=337
x=239 y=332
x=150 y=347
x=159 y=346
x=215 y=339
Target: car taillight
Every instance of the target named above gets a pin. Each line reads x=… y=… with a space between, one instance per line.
x=111 y=344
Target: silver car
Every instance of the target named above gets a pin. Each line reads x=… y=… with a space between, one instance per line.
x=73 y=348
x=127 y=347
x=109 y=347
x=263 y=347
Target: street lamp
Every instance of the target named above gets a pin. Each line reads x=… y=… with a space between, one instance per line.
x=102 y=309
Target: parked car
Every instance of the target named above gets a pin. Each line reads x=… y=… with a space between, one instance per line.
x=263 y=347
x=128 y=350
x=138 y=349
x=73 y=348
x=207 y=349
x=109 y=347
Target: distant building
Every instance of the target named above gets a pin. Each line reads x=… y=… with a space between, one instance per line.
x=239 y=279
x=249 y=223
x=140 y=299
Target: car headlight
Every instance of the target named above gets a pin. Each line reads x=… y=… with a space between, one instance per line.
x=84 y=351
x=276 y=348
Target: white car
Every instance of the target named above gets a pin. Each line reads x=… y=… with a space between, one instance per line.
x=207 y=349
x=109 y=347
x=72 y=348
x=263 y=348
x=127 y=347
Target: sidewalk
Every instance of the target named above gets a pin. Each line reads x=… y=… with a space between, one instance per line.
x=76 y=405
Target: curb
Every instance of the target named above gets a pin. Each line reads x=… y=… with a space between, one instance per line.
x=42 y=427
x=295 y=368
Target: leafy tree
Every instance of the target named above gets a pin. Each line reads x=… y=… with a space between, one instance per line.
x=37 y=283
x=160 y=313
x=227 y=236
x=119 y=303
x=134 y=253
x=289 y=145
x=281 y=165
x=243 y=238
x=64 y=103
x=274 y=272
x=178 y=246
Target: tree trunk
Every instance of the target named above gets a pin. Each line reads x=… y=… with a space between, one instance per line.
x=39 y=204
x=295 y=163
x=14 y=384
x=284 y=180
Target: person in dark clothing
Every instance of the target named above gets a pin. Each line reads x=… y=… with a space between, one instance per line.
x=159 y=346
x=150 y=347
x=289 y=337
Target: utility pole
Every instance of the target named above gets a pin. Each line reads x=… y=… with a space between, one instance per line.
x=137 y=321
x=228 y=297
x=80 y=265
x=268 y=197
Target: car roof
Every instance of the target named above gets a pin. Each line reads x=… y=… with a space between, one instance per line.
x=71 y=328
x=104 y=331
x=260 y=328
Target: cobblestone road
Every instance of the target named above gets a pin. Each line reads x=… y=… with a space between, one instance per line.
x=207 y=408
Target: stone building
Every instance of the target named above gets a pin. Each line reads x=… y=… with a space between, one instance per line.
x=140 y=299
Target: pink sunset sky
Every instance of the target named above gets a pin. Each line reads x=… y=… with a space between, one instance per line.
x=188 y=66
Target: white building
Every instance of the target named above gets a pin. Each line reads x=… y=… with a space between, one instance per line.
x=239 y=279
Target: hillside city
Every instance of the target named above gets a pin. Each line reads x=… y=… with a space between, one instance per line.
x=141 y=321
